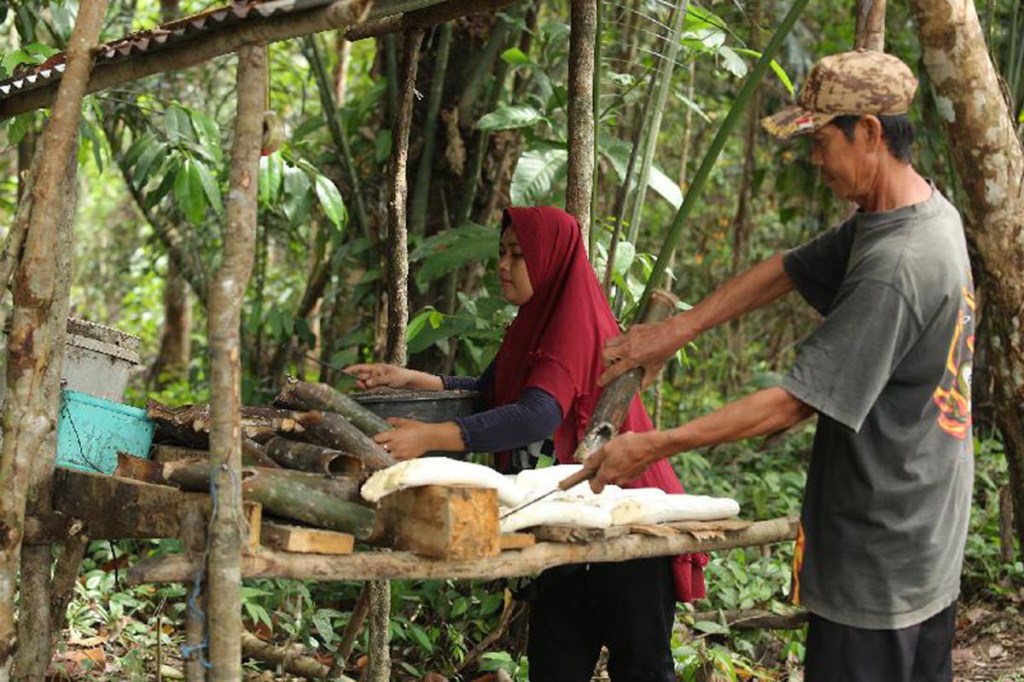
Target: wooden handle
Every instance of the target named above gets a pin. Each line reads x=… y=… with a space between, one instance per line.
x=578 y=477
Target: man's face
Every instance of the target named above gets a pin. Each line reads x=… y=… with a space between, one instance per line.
x=848 y=167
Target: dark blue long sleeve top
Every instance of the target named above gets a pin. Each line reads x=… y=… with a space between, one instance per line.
x=531 y=418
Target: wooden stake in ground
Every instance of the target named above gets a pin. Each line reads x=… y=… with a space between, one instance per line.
x=225 y=306
x=580 y=182
x=28 y=421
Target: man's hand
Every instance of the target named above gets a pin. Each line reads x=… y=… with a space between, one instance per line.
x=624 y=458
x=647 y=346
x=410 y=438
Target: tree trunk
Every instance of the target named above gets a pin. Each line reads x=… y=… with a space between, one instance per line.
x=989 y=160
x=870 y=25
x=34 y=633
x=30 y=412
x=225 y=306
x=580 y=181
x=175 y=337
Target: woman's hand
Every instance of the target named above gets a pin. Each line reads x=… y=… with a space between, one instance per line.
x=410 y=438
x=374 y=374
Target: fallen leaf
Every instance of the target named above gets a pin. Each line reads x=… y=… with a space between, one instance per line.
x=996 y=651
x=962 y=655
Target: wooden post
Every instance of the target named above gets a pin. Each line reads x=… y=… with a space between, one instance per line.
x=30 y=412
x=225 y=305
x=580 y=182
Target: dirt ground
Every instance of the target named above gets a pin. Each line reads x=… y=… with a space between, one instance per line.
x=989 y=644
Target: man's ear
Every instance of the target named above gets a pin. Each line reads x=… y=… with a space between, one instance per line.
x=872 y=131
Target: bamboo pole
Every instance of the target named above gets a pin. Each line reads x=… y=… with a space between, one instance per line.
x=701 y=176
x=580 y=180
x=225 y=306
x=28 y=420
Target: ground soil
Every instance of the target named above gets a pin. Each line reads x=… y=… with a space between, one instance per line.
x=989 y=643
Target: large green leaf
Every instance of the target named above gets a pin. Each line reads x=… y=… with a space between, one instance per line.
x=270 y=178
x=449 y=250
x=330 y=200
x=154 y=153
x=617 y=152
x=507 y=117
x=536 y=174
x=170 y=175
x=430 y=326
x=207 y=133
x=209 y=184
x=188 y=192
x=178 y=125
x=780 y=72
x=297 y=196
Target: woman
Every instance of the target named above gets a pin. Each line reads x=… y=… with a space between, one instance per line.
x=543 y=381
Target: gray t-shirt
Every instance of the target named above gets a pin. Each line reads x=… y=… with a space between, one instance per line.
x=888 y=495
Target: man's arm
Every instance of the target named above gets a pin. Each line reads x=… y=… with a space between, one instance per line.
x=649 y=345
x=626 y=456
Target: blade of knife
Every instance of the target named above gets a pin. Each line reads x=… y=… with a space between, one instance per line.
x=566 y=483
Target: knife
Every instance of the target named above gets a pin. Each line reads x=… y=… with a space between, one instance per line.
x=566 y=483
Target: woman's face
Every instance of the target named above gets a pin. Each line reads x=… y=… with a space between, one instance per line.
x=515 y=279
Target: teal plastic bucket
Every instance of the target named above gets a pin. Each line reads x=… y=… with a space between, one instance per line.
x=91 y=431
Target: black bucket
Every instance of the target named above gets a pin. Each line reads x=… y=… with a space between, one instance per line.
x=424 y=406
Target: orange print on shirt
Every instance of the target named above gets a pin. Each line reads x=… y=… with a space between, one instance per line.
x=953 y=395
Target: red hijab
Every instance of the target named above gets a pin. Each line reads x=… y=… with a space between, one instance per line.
x=555 y=344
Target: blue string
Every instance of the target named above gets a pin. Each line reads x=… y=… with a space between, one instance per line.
x=197 y=585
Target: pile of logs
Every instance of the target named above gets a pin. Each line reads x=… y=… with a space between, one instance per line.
x=304 y=458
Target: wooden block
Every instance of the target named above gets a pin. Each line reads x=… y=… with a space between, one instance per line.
x=652 y=530
x=253 y=512
x=575 y=535
x=516 y=541
x=138 y=469
x=308 y=540
x=443 y=522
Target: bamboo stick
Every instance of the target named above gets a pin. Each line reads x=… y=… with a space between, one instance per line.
x=313 y=458
x=305 y=396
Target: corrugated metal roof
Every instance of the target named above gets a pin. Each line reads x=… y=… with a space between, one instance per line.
x=167 y=35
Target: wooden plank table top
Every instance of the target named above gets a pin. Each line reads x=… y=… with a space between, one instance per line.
x=390 y=565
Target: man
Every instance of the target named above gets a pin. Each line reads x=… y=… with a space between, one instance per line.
x=885 y=512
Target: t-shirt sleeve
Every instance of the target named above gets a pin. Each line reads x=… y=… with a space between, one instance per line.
x=841 y=369
x=817 y=267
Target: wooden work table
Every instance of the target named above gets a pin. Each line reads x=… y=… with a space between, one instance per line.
x=383 y=565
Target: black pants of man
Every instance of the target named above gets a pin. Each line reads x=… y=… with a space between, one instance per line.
x=919 y=653
x=627 y=606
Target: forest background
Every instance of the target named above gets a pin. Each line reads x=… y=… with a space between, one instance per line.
x=489 y=130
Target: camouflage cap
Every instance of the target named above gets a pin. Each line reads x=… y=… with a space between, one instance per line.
x=859 y=82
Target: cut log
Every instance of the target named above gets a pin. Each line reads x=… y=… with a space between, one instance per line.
x=195 y=476
x=189 y=425
x=442 y=522
x=305 y=396
x=114 y=508
x=754 y=619
x=292 y=659
x=616 y=397
x=334 y=431
x=136 y=468
x=293 y=454
x=161 y=454
x=317 y=500
x=310 y=540
x=516 y=541
x=255 y=455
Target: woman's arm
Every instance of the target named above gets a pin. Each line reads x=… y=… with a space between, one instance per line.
x=374 y=374
x=531 y=418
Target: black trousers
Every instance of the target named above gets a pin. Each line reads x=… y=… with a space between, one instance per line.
x=627 y=606
x=920 y=653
